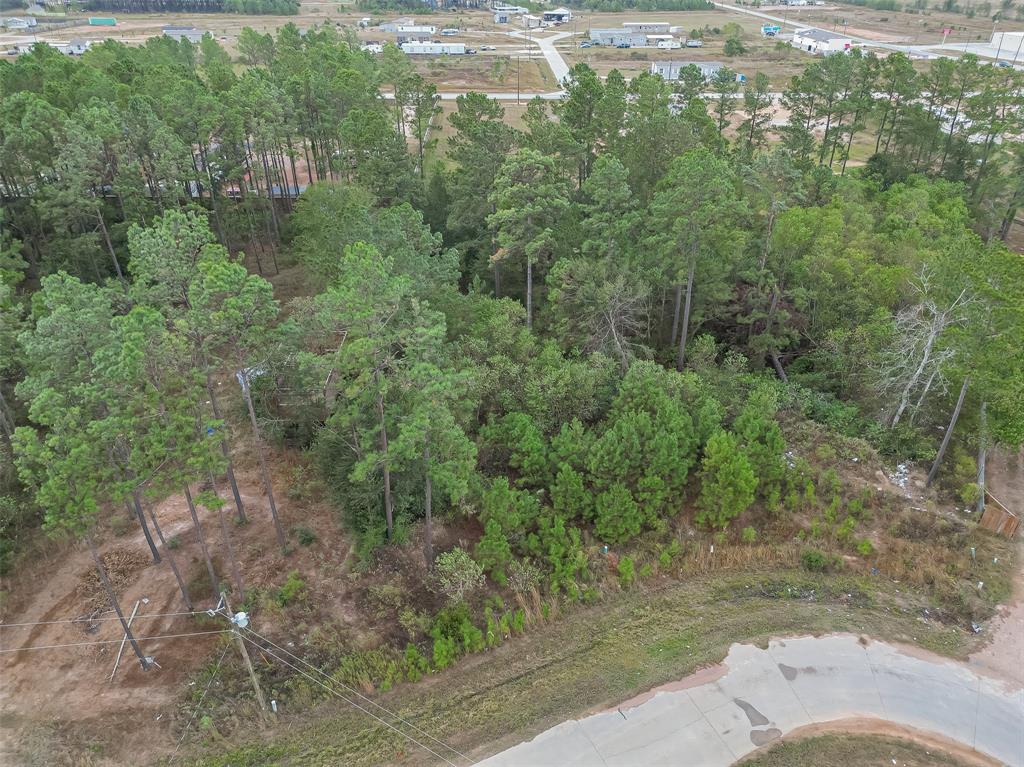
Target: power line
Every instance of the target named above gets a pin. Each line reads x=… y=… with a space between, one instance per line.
x=200 y=703
x=84 y=619
x=360 y=695
x=331 y=690
x=111 y=641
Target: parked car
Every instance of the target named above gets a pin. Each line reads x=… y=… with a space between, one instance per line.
x=623 y=45
x=470 y=50
x=586 y=45
x=488 y=48
x=694 y=43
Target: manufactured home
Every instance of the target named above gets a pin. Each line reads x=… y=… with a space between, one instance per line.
x=434 y=49
x=818 y=41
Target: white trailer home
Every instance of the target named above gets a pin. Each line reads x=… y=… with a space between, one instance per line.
x=818 y=41
x=434 y=49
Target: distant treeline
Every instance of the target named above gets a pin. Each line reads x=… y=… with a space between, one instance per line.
x=644 y=5
x=252 y=7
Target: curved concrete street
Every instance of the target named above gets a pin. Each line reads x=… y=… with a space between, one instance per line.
x=756 y=696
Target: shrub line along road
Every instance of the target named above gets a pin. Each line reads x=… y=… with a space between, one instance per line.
x=794 y=683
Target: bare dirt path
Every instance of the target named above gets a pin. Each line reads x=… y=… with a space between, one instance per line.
x=1004 y=655
x=138 y=715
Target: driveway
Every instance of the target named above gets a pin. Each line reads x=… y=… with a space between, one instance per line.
x=558 y=65
x=756 y=696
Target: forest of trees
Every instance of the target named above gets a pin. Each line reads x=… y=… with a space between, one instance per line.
x=561 y=333
x=248 y=7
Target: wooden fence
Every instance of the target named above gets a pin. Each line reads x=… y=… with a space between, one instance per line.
x=998 y=518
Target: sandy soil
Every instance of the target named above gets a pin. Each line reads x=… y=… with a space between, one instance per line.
x=1004 y=655
x=137 y=712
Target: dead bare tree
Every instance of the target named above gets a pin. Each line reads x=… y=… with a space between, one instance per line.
x=914 y=365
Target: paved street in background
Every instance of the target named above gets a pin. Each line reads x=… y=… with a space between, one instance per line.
x=765 y=694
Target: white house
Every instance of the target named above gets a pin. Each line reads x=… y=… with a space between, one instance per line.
x=616 y=37
x=191 y=34
x=20 y=22
x=392 y=26
x=671 y=70
x=502 y=17
x=650 y=27
x=819 y=41
x=512 y=10
x=414 y=36
x=434 y=49
x=558 y=15
x=530 y=21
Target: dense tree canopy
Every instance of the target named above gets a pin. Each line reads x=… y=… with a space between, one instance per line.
x=570 y=334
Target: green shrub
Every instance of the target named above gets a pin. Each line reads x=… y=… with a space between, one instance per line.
x=864 y=547
x=749 y=535
x=366 y=669
x=727 y=481
x=618 y=517
x=970 y=494
x=626 y=573
x=519 y=621
x=646 y=570
x=846 y=529
x=816 y=561
x=293 y=590
x=825 y=452
x=416 y=623
x=444 y=652
x=304 y=535
x=414 y=664
x=458 y=575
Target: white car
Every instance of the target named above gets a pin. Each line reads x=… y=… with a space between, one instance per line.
x=488 y=48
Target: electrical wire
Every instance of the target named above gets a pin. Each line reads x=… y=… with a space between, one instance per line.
x=111 y=641
x=84 y=619
x=199 y=705
x=331 y=690
x=360 y=695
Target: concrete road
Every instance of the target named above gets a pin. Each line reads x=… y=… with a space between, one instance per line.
x=763 y=694
x=556 y=62
x=923 y=51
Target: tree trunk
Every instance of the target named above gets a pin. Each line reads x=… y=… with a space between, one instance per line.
x=145 y=528
x=226 y=451
x=529 y=293
x=186 y=598
x=675 y=314
x=236 y=575
x=110 y=247
x=428 y=532
x=684 y=329
x=264 y=471
x=949 y=433
x=214 y=583
x=777 y=364
x=982 y=454
x=388 y=503
x=113 y=603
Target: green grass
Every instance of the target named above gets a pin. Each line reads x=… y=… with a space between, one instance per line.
x=591 y=658
x=852 y=751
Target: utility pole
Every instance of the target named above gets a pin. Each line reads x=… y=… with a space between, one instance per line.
x=245 y=653
x=112 y=596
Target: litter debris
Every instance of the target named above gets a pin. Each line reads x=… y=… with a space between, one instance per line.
x=975 y=628
x=900 y=476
